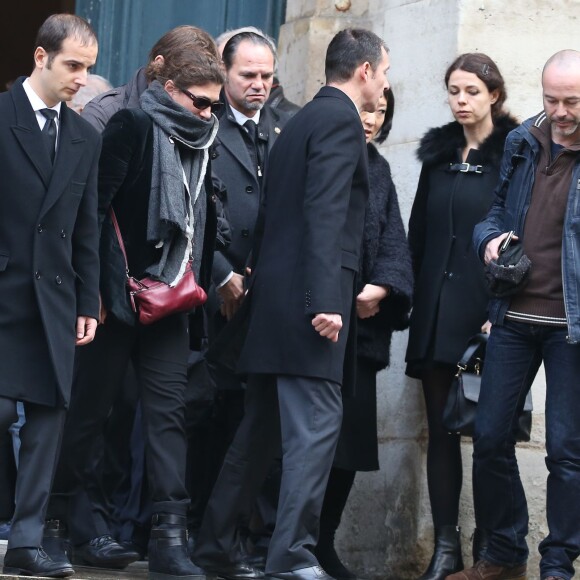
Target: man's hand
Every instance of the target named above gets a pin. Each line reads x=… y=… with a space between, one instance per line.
x=328 y=325
x=86 y=328
x=491 y=250
x=232 y=293
x=367 y=302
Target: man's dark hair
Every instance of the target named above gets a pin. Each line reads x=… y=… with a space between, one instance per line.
x=234 y=42
x=348 y=50
x=57 y=28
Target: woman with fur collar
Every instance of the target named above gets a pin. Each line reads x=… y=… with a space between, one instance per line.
x=460 y=169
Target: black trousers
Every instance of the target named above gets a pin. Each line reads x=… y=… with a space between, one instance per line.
x=304 y=416
x=159 y=355
x=40 y=439
x=7 y=477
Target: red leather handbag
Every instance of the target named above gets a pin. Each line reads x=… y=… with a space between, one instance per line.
x=152 y=299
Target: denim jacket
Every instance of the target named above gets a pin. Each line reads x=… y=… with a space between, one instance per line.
x=508 y=212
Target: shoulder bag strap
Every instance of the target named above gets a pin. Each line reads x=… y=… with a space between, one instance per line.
x=119 y=237
x=475 y=343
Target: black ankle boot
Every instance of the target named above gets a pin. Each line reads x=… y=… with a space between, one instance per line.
x=168 y=556
x=479 y=546
x=446 y=556
x=55 y=541
x=330 y=562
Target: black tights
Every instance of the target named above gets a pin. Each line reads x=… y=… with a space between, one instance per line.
x=444 y=469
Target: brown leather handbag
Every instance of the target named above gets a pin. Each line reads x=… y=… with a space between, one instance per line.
x=152 y=299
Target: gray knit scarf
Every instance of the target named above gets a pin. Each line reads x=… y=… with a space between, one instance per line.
x=180 y=154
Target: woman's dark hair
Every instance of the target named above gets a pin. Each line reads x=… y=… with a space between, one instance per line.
x=486 y=71
x=388 y=123
x=57 y=28
x=231 y=46
x=349 y=49
x=190 y=57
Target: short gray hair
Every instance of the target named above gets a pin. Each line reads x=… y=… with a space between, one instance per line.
x=96 y=85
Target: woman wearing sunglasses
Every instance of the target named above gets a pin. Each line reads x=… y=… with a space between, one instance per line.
x=154 y=173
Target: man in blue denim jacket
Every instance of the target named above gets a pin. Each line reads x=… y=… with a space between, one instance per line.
x=539 y=198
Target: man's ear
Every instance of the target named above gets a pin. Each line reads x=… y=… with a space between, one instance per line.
x=40 y=57
x=365 y=71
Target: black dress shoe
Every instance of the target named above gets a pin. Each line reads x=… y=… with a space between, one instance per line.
x=104 y=552
x=310 y=573
x=237 y=571
x=34 y=562
x=257 y=558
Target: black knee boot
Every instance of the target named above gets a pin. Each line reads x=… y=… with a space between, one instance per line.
x=337 y=491
x=168 y=556
x=479 y=546
x=447 y=557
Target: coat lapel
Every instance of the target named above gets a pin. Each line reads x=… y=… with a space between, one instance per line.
x=28 y=134
x=68 y=154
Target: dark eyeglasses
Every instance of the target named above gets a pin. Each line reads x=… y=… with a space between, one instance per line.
x=202 y=103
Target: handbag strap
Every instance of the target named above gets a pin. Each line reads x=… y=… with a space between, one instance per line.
x=474 y=345
x=119 y=237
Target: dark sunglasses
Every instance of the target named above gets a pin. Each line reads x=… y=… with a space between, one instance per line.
x=202 y=103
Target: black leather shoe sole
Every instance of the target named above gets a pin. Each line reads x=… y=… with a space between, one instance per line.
x=161 y=576
x=63 y=572
x=114 y=563
x=237 y=572
x=311 y=573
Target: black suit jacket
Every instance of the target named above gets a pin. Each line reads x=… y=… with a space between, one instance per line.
x=315 y=196
x=49 y=264
x=234 y=168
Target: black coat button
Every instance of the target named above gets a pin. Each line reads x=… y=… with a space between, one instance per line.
x=58 y=280
x=249 y=189
x=37 y=275
x=245 y=233
x=62 y=234
x=40 y=228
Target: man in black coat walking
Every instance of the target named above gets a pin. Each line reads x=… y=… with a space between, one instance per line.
x=300 y=305
x=49 y=267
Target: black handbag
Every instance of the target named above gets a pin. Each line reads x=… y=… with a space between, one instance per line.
x=509 y=273
x=461 y=406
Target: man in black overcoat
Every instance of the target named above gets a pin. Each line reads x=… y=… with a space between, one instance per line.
x=301 y=304
x=49 y=267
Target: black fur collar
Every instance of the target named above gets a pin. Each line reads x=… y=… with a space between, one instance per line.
x=441 y=143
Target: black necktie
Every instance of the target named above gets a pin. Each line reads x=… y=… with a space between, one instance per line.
x=253 y=149
x=252 y=130
x=49 y=131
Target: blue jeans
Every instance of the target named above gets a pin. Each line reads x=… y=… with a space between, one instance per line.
x=514 y=354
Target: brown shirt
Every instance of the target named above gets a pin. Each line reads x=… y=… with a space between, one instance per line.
x=542 y=299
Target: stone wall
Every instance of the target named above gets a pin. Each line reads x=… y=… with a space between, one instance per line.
x=386 y=531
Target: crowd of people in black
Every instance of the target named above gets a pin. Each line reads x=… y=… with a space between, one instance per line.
x=224 y=440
